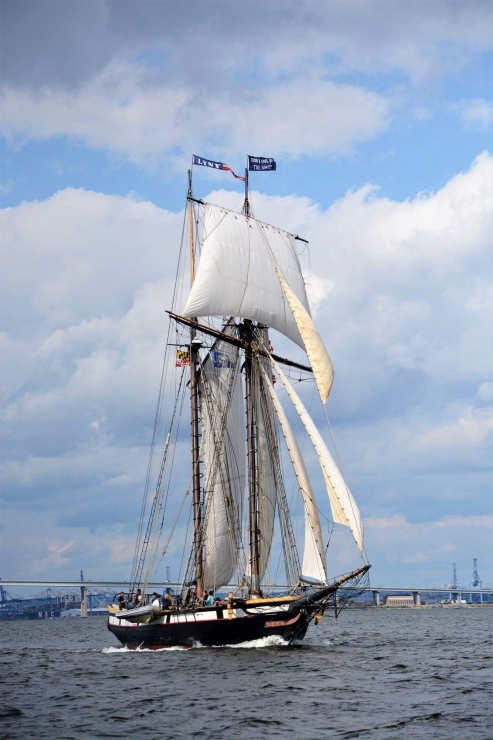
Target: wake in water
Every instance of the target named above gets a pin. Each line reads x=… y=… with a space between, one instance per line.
x=125 y=649
x=262 y=642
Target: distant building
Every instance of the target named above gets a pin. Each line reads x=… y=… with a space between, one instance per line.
x=398 y=601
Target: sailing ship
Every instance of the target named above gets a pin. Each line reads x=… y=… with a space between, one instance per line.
x=245 y=281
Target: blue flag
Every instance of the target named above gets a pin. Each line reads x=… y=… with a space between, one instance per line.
x=220 y=359
x=215 y=166
x=261 y=164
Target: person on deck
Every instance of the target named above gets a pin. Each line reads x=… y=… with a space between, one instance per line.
x=167 y=603
x=210 y=599
x=155 y=600
x=121 y=600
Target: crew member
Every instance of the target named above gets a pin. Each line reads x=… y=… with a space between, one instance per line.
x=167 y=604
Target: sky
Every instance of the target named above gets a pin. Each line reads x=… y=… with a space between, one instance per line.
x=379 y=115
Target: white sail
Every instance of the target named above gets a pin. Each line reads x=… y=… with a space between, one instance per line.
x=224 y=457
x=315 y=348
x=236 y=275
x=342 y=503
x=314 y=565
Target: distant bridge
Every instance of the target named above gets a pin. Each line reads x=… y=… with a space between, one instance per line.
x=122 y=585
x=77 y=584
x=454 y=594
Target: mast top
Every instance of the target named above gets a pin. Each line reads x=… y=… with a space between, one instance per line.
x=246 y=203
x=192 y=248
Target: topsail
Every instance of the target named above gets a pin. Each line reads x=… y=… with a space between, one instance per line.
x=237 y=273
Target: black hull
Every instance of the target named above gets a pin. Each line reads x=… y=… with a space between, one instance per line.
x=231 y=624
x=287 y=625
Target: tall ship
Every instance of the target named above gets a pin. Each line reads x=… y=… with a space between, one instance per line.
x=246 y=511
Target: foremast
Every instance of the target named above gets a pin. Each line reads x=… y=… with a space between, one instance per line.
x=195 y=416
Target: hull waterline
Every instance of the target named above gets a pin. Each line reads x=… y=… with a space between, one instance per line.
x=289 y=626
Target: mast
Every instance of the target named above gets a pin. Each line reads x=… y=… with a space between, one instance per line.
x=253 y=513
x=246 y=202
x=190 y=222
x=194 y=403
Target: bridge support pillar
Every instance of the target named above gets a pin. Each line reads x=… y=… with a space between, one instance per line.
x=83 y=601
x=376 y=598
x=416 y=598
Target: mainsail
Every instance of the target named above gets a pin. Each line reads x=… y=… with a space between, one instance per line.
x=224 y=456
x=237 y=274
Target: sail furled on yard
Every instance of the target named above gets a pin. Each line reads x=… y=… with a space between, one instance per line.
x=267 y=461
x=224 y=456
x=314 y=347
x=314 y=565
x=343 y=506
x=237 y=272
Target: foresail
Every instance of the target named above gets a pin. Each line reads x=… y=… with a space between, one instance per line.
x=237 y=276
x=224 y=458
x=315 y=348
x=342 y=503
x=314 y=565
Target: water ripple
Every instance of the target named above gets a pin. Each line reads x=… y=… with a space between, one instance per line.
x=373 y=675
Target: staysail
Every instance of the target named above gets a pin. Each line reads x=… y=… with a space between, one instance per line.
x=315 y=348
x=224 y=457
x=314 y=565
x=344 y=508
x=237 y=276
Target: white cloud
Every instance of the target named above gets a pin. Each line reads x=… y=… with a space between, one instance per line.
x=485 y=391
x=425 y=551
x=476 y=113
x=209 y=42
x=402 y=306
x=117 y=112
x=471 y=427
x=87 y=253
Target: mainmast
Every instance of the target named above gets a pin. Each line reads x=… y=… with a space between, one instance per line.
x=246 y=202
x=253 y=513
x=253 y=504
x=194 y=402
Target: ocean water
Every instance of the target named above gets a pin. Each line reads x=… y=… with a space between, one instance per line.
x=396 y=674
